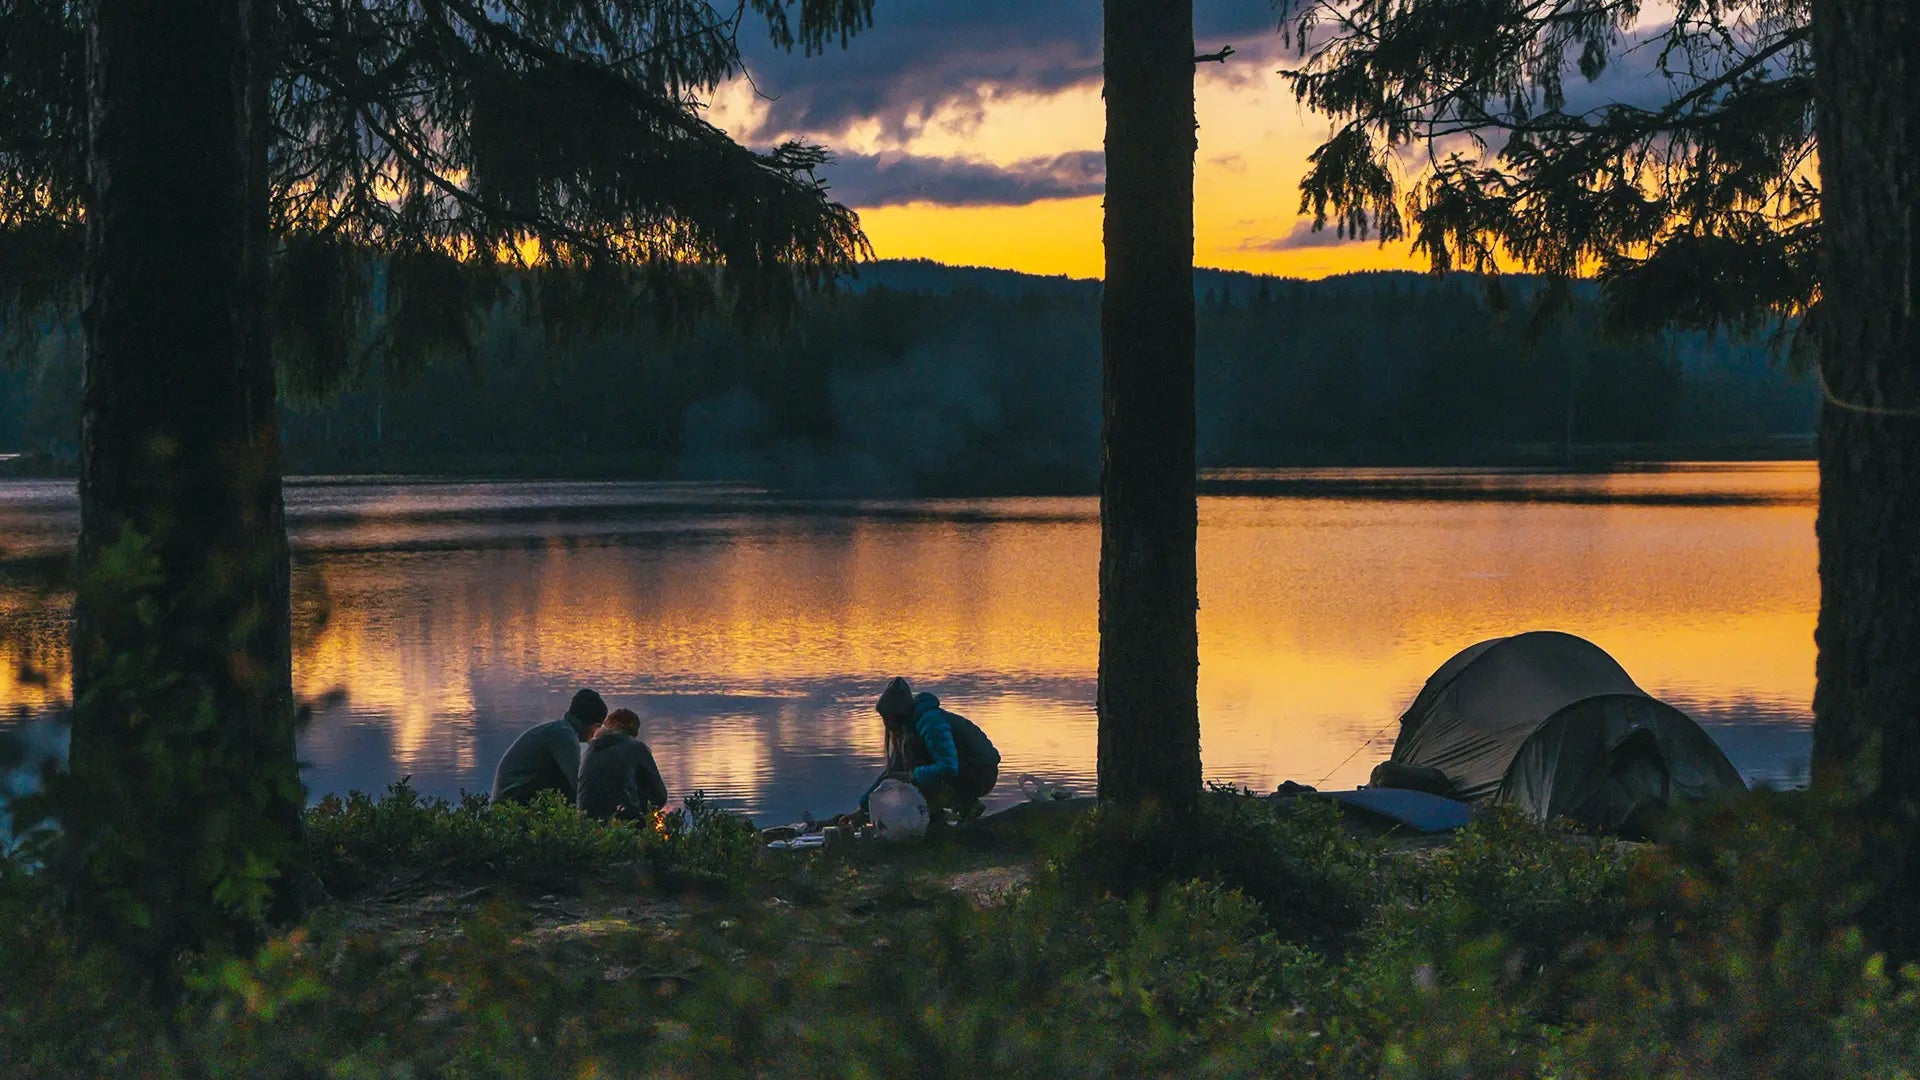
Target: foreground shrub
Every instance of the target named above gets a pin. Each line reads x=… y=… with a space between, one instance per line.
x=358 y=841
x=1456 y=968
x=1046 y=986
x=1545 y=889
x=1514 y=952
x=1314 y=882
x=476 y=1004
x=1746 y=958
x=63 y=1009
x=1733 y=951
x=1508 y=911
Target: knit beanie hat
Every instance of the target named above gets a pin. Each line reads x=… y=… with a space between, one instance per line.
x=896 y=701
x=587 y=707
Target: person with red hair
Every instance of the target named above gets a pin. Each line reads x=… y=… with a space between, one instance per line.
x=618 y=778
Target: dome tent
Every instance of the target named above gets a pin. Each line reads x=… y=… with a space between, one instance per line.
x=1551 y=723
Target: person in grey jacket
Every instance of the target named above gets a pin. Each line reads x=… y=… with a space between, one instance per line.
x=618 y=778
x=547 y=758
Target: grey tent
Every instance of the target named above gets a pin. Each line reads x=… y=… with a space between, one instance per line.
x=1551 y=723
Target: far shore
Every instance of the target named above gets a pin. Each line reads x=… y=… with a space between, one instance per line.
x=441 y=464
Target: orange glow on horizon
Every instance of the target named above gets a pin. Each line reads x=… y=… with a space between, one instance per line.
x=1060 y=236
x=1063 y=236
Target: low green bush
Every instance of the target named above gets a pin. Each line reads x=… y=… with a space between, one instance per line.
x=1543 y=888
x=1745 y=956
x=1513 y=951
x=63 y=1009
x=1730 y=951
x=357 y=842
x=1313 y=880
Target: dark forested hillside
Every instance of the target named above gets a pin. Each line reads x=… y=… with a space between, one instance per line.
x=929 y=378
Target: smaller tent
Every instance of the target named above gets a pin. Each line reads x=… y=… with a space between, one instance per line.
x=1551 y=723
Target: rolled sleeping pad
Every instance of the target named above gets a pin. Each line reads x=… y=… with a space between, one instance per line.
x=1399 y=774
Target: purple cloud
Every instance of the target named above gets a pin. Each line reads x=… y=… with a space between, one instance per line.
x=893 y=179
x=926 y=57
x=1301 y=236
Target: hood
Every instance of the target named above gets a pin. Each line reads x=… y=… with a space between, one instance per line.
x=601 y=742
x=924 y=703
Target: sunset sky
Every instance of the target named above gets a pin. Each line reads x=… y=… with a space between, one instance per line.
x=971 y=133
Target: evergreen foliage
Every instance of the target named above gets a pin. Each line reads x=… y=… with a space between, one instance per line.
x=1569 y=136
x=458 y=137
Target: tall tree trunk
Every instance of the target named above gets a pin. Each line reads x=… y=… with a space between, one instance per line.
x=1149 y=644
x=1867 y=702
x=182 y=802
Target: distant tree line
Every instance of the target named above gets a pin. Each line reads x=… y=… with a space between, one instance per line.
x=993 y=385
x=1403 y=368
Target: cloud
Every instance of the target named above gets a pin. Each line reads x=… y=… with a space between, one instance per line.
x=1303 y=236
x=928 y=58
x=904 y=84
x=1633 y=75
x=894 y=178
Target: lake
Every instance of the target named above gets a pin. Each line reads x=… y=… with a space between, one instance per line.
x=436 y=619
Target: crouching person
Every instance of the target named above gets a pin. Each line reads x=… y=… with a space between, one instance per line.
x=618 y=779
x=942 y=753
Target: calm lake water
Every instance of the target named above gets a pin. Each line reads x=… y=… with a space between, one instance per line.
x=435 y=620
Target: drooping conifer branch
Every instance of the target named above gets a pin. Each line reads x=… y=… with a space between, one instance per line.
x=1690 y=191
x=556 y=133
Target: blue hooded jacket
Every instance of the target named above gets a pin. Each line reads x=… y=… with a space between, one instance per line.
x=951 y=749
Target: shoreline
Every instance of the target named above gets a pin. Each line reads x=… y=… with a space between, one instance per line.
x=1580 y=458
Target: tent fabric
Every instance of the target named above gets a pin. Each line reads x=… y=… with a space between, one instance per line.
x=1601 y=758
x=1550 y=722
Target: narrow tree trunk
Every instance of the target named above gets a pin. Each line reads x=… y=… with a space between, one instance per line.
x=1867 y=702
x=182 y=804
x=1149 y=646
x=265 y=510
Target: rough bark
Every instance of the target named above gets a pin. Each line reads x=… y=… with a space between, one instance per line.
x=1149 y=647
x=1867 y=701
x=182 y=802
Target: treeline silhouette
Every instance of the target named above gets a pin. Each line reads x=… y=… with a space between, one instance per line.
x=922 y=378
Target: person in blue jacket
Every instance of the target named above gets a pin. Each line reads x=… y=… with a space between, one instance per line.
x=942 y=753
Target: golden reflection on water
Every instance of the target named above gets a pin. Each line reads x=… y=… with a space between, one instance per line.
x=774 y=639
x=753 y=643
